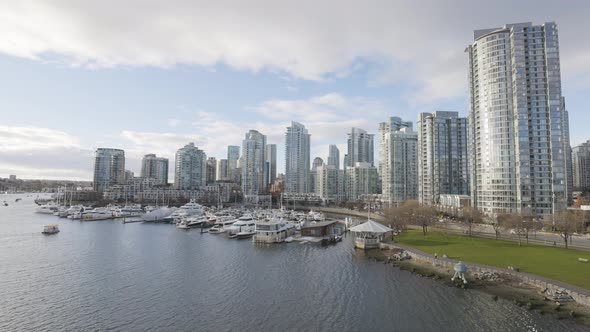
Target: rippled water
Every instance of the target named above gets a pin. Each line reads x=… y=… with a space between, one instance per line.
x=106 y=275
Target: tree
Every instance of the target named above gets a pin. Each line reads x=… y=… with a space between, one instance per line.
x=425 y=216
x=514 y=222
x=567 y=223
x=471 y=216
x=395 y=218
x=495 y=222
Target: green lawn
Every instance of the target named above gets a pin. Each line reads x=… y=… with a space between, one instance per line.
x=554 y=263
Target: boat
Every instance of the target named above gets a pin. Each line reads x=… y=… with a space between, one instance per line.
x=97 y=214
x=189 y=209
x=246 y=234
x=221 y=226
x=48 y=208
x=273 y=230
x=158 y=215
x=50 y=229
x=133 y=210
x=182 y=225
x=243 y=224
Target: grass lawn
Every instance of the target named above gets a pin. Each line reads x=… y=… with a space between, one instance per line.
x=554 y=263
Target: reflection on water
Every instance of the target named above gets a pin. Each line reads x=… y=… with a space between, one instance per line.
x=107 y=275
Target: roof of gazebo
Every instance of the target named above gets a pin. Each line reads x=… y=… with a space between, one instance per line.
x=370 y=227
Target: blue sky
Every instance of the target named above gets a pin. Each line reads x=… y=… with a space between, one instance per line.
x=78 y=75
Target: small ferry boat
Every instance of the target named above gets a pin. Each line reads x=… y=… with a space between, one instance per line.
x=50 y=229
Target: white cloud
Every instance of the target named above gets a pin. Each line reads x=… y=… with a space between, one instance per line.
x=420 y=43
x=33 y=152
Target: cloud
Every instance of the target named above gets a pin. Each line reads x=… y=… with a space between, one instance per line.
x=420 y=43
x=34 y=152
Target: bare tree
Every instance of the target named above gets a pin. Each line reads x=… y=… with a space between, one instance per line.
x=567 y=223
x=471 y=216
x=395 y=218
x=514 y=222
x=495 y=222
x=425 y=216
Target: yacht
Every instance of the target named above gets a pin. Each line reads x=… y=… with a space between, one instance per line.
x=273 y=230
x=50 y=229
x=221 y=226
x=244 y=225
x=187 y=210
x=158 y=214
x=48 y=208
x=133 y=210
x=77 y=212
x=190 y=222
x=97 y=214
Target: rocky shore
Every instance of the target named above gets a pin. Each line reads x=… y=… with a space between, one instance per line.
x=557 y=303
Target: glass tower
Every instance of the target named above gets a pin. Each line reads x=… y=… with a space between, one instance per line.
x=518 y=127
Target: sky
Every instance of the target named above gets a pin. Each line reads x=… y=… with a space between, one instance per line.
x=151 y=76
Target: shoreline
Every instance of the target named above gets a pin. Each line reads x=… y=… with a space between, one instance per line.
x=505 y=287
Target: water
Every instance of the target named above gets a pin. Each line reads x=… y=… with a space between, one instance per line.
x=105 y=275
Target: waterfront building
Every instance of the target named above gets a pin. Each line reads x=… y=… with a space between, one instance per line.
x=155 y=167
x=297 y=158
x=518 y=130
x=271 y=164
x=398 y=162
x=360 y=180
x=130 y=190
x=109 y=168
x=360 y=147
x=222 y=170
x=233 y=157
x=329 y=184
x=252 y=163
x=211 y=170
x=190 y=168
x=581 y=166
x=443 y=159
x=334 y=156
x=317 y=162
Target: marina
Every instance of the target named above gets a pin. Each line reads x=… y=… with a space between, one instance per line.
x=146 y=276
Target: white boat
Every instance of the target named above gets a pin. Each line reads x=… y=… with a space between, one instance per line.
x=50 y=229
x=243 y=224
x=97 y=214
x=134 y=210
x=48 y=208
x=273 y=230
x=189 y=209
x=221 y=226
x=159 y=214
x=190 y=222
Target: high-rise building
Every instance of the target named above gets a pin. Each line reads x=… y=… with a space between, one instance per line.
x=109 y=168
x=360 y=147
x=398 y=161
x=253 y=161
x=581 y=166
x=129 y=175
x=233 y=157
x=211 y=170
x=317 y=162
x=518 y=130
x=334 y=156
x=297 y=155
x=362 y=179
x=155 y=168
x=271 y=164
x=222 y=170
x=443 y=159
x=190 y=169
x=329 y=183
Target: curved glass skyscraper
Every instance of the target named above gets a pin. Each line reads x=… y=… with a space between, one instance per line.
x=519 y=136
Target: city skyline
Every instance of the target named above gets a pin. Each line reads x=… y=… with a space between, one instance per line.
x=148 y=105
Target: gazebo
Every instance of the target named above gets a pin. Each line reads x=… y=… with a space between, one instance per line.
x=368 y=235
